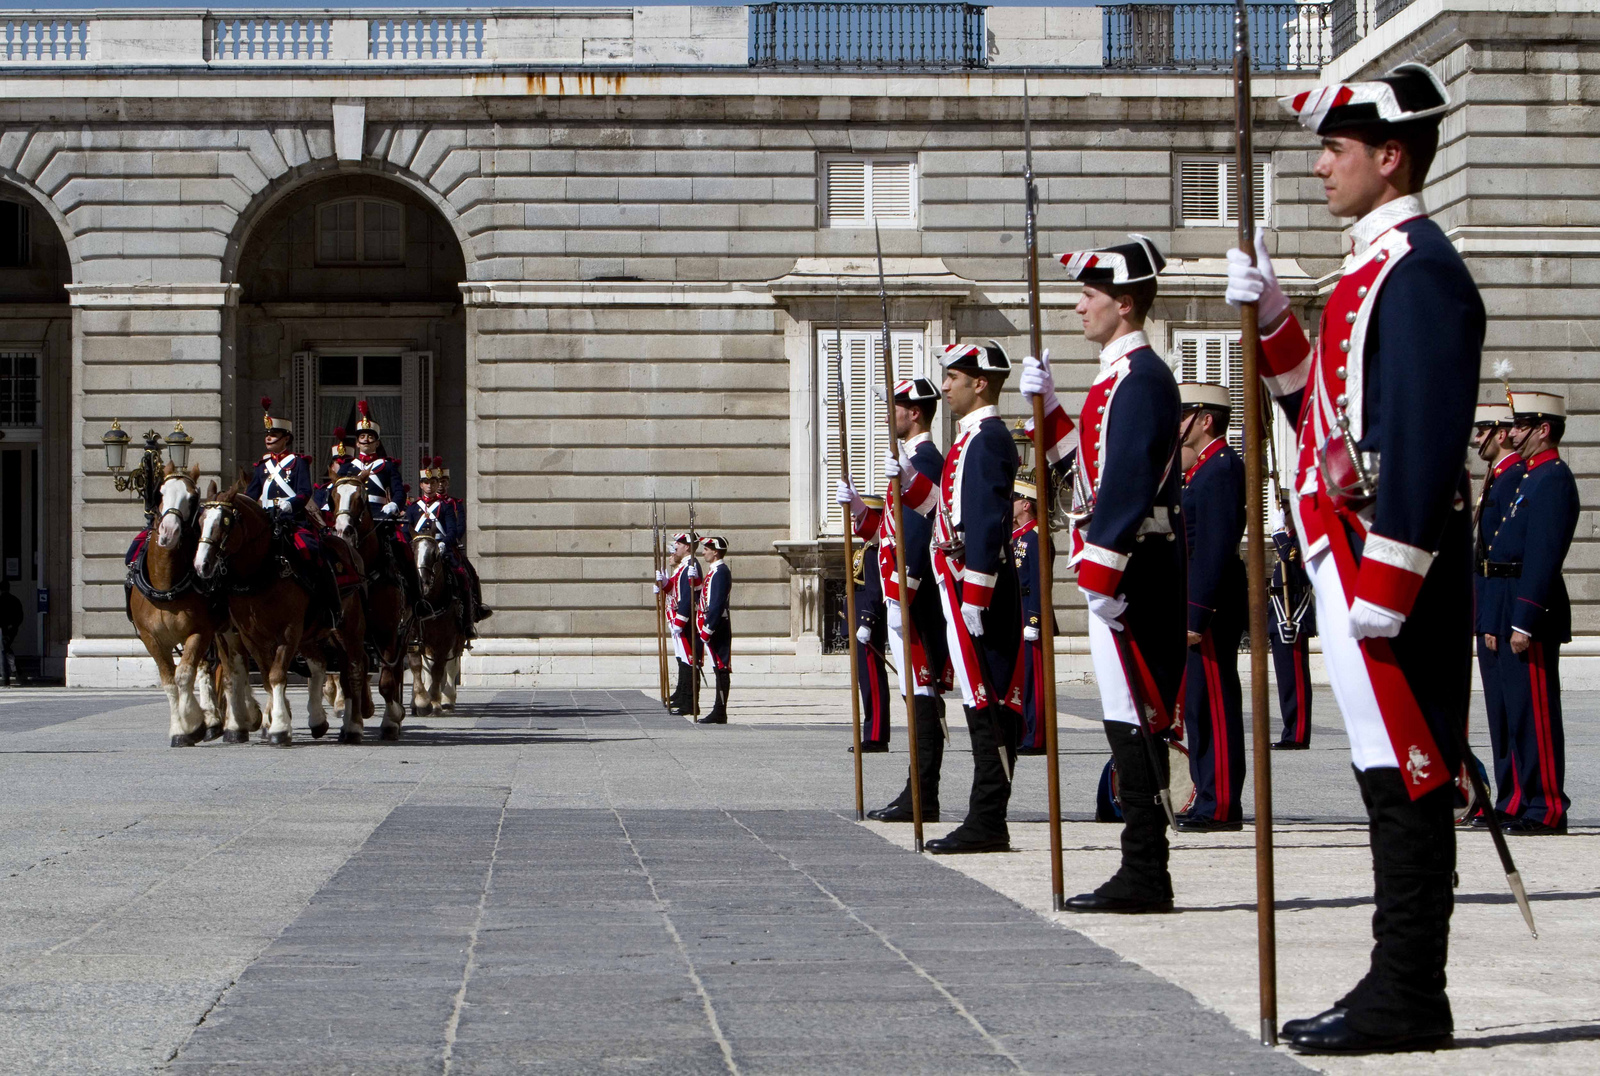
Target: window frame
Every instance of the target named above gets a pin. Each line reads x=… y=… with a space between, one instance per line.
x=1224 y=162
x=913 y=219
x=13 y=353
x=24 y=251
x=360 y=201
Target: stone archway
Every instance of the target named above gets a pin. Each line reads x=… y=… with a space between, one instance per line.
x=349 y=287
x=36 y=503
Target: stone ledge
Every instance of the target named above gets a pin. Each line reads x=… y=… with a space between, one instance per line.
x=153 y=295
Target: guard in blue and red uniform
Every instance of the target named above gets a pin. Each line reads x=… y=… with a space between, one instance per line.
x=281 y=483
x=1213 y=520
x=1128 y=548
x=872 y=635
x=1491 y=432
x=386 y=494
x=458 y=507
x=970 y=507
x=1525 y=599
x=682 y=587
x=919 y=649
x=714 y=624
x=1383 y=408
x=1027 y=679
x=1291 y=624
x=322 y=492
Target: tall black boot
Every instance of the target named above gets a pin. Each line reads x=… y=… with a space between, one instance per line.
x=1413 y=866
x=991 y=791
x=1143 y=875
x=930 y=756
x=682 y=701
x=718 y=714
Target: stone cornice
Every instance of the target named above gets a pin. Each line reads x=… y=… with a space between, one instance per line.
x=153 y=295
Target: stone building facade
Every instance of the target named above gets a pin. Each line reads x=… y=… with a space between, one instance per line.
x=595 y=257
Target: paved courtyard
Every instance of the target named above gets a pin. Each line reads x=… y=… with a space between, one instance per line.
x=573 y=882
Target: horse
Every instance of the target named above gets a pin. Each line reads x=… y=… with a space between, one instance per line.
x=388 y=613
x=273 y=616
x=441 y=622
x=170 y=611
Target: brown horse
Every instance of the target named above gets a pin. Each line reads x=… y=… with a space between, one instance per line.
x=441 y=631
x=169 y=611
x=272 y=614
x=388 y=613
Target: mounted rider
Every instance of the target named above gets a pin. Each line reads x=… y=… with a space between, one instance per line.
x=322 y=492
x=447 y=517
x=386 y=494
x=281 y=484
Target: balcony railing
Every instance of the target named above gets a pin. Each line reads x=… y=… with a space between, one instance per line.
x=251 y=38
x=867 y=35
x=425 y=39
x=1199 y=37
x=44 y=39
x=1351 y=20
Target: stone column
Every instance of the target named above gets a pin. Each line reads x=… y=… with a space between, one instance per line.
x=148 y=355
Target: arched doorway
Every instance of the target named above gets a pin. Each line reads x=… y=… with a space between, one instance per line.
x=349 y=288
x=35 y=411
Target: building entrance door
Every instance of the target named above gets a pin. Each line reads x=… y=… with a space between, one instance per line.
x=21 y=551
x=397 y=385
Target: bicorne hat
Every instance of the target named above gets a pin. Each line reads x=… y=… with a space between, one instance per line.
x=1406 y=94
x=1125 y=263
x=985 y=358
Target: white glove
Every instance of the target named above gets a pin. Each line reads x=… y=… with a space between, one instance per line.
x=1030 y=633
x=863 y=635
x=891 y=466
x=1368 y=621
x=1037 y=380
x=390 y=508
x=1107 y=609
x=1256 y=283
x=283 y=504
x=661 y=579
x=972 y=616
x=846 y=494
x=677 y=631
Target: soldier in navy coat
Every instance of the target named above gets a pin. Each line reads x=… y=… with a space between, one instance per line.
x=322 y=492
x=970 y=507
x=1027 y=679
x=1384 y=407
x=1491 y=434
x=386 y=494
x=1128 y=546
x=715 y=625
x=872 y=675
x=682 y=587
x=920 y=649
x=281 y=483
x=1213 y=520
x=1529 y=614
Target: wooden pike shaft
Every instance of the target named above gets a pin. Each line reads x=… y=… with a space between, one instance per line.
x=1256 y=560
x=1041 y=478
x=849 y=563
x=910 y=673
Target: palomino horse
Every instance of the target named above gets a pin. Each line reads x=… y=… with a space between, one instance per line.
x=272 y=615
x=440 y=622
x=387 y=611
x=169 y=610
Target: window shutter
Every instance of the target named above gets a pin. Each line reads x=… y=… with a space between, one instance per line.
x=847 y=191
x=891 y=189
x=303 y=402
x=865 y=412
x=1199 y=190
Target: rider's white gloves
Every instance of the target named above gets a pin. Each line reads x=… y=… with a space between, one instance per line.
x=390 y=508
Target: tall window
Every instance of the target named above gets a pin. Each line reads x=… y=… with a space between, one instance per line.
x=1208 y=195
x=859 y=190
x=862 y=371
x=19 y=388
x=398 y=387
x=360 y=231
x=13 y=235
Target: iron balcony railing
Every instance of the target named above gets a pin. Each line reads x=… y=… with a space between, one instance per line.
x=868 y=35
x=1351 y=20
x=1199 y=37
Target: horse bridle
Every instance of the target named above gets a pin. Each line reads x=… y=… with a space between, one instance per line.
x=348 y=513
x=229 y=513
x=174 y=511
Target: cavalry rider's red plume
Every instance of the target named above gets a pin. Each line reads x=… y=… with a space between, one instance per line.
x=270 y=423
x=266 y=403
x=365 y=422
x=361 y=405
x=338 y=451
x=338 y=433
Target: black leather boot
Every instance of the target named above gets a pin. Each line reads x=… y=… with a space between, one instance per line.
x=930 y=756
x=719 y=708
x=984 y=829
x=1142 y=883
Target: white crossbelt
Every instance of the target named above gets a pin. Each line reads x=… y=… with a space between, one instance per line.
x=275 y=471
x=431 y=511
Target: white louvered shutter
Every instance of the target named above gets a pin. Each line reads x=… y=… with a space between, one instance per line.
x=303 y=401
x=846 y=192
x=1262 y=195
x=865 y=412
x=1200 y=190
x=893 y=191
x=416 y=395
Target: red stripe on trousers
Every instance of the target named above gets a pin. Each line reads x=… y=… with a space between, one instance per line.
x=1542 y=734
x=1302 y=719
x=1219 y=726
x=876 y=707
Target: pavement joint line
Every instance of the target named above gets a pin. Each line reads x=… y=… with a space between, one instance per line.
x=664 y=912
x=933 y=980
x=453 y=1025
x=73 y=851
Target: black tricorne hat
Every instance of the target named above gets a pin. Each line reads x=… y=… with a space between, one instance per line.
x=1125 y=263
x=1407 y=94
x=985 y=358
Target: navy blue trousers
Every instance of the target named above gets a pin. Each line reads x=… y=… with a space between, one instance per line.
x=1213 y=721
x=872 y=678
x=1530 y=685
x=1292 y=664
